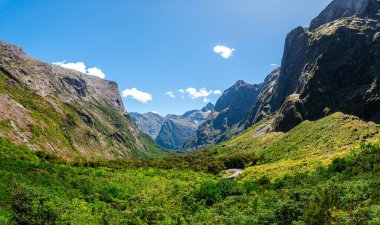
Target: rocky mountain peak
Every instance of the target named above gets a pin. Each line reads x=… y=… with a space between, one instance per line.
x=13 y=49
x=239 y=83
x=208 y=107
x=52 y=80
x=345 y=8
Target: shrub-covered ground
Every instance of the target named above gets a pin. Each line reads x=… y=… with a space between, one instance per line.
x=38 y=189
x=303 y=149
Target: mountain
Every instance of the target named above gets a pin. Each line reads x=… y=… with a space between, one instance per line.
x=149 y=123
x=338 y=9
x=64 y=112
x=176 y=130
x=333 y=66
x=229 y=110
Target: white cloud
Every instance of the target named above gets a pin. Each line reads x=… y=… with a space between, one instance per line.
x=170 y=94
x=96 y=72
x=78 y=66
x=81 y=67
x=274 y=65
x=206 y=100
x=224 y=51
x=217 y=92
x=140 y=96
x=194 y=93
x=155 y=111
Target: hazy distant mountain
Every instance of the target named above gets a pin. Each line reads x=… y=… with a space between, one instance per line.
x=149 y=123
x=176 y=130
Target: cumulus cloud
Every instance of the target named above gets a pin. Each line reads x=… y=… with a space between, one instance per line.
x=78 y=66
x=217 y=92
x=81 y=67
x=140 y=96
x=224 y=51
x=170 y=94
x=96 y=72
x=194 y=93
x=206 y=100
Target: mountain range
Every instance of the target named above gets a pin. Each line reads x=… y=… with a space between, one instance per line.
x=172 y=131
x=303 y=145
x=332 y=66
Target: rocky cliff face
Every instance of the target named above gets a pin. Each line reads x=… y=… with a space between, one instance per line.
x=149 y=123
x=342 y=70
x=346 y=8
x=333 y=66
x=229 y=111
x=64 y=112
x=176 y=130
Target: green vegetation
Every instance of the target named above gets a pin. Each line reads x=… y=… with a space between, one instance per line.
x=36 y=189
x=305 y=148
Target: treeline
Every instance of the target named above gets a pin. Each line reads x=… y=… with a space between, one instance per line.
x=199 y=162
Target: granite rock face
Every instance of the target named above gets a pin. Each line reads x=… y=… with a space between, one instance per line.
x=229 y=111
x=65 y=112
x=176 y=130
x=346 y=8
x=338 y=68
x=149 y=123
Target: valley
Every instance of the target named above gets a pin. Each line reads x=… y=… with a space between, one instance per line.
x=301 y=147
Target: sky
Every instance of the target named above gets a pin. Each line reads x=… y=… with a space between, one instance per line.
x=168 y=56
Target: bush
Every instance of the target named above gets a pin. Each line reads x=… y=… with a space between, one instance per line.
x=229 y=188
x=339 y=165
x=264 y=181
x=326 y=199
x=110 y=192
x=250 y=186
x=32 y=207
x=215 y=192
x=209 y=192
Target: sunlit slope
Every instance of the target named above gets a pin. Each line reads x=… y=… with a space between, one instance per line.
x=304 y=148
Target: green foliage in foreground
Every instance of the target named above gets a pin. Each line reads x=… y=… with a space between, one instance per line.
x=34 y=190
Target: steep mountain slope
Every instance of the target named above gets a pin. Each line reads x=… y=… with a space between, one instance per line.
x=176 y=130
x=149 y=123
x=346 y=8
x=64 y=112
x=333 y=66
x=229 y=111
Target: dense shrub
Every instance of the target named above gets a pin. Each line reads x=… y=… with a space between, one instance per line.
x=326 y=199
x=346 y=192
x=33 y=207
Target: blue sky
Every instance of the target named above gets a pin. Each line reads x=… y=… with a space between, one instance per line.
x=153 y=47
